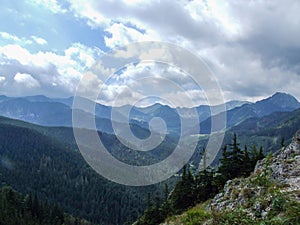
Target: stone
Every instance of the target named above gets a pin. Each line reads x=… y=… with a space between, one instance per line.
x=283 y=168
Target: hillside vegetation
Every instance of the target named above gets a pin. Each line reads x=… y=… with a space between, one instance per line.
x=270 y=195
x=32 y=162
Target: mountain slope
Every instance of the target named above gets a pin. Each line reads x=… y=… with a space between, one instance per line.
x=58 y=112
x=279 y=102
x=32 y=162
x=268 y=131
x=44 y=113
x=28 y=210
x=270 y=195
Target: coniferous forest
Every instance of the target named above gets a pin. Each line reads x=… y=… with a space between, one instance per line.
x=29 y=210
x=33 y=163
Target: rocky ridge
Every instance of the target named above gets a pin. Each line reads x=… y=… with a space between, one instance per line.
x=277 y=173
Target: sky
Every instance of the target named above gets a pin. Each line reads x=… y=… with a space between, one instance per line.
x=251 y=47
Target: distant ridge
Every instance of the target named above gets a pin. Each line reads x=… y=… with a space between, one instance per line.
x=46 y=111
x=279 y=102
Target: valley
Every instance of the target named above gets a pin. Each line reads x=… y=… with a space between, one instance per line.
x=39 y=154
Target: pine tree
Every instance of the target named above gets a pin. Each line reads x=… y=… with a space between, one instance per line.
x=225 y=164
x=35 y=206
x=182 y=196
x=166 y=207
x=149 y=201
x=260 y=154
x=282 y=143
x=232 y=163
x=237 y=157
x=205 y=186
x=247 y=163
x=166 y=192
x=254 y=156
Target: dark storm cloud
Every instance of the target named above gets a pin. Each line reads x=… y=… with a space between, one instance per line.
x=271 y=29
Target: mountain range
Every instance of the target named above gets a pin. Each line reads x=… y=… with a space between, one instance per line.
x=279 y=102
x=58 y=112
x=39 y=154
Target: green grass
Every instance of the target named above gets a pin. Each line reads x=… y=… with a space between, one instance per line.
x=195 y=216
x=283 y=209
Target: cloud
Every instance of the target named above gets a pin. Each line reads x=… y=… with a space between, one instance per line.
x=200 y=22
x=2 y=79
x=242 y=74
x=27 y=80
x=253 y=48
x=83 y=54
x=178 y=24
x=15 y=39
x=51 y=5
x=39 y=40
x=148 y=82
x=245 y=43
x=270 y=32
x=22 y=40
x=8 y=36
x=15 y=52
x=51 y=71
x=120 y=35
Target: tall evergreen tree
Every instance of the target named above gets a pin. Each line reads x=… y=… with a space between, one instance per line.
x=166 y=192
x=247 y=163
x=232 y=161
x=182 y=195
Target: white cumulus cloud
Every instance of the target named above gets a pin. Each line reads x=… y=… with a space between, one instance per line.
x=27 y=80
x=48 y=69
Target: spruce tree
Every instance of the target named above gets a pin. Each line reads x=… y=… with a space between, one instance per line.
x=232 y=162
x=247 y=163
x=182 y=195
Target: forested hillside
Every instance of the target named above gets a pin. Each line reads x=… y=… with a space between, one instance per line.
x=270 y=195
x=16 y=208
x=193 y=189
x=34 y=163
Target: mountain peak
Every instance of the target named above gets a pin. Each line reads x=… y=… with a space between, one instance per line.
x=286 y=99
x=277 y=102
x=2 y=97
x=281 y=95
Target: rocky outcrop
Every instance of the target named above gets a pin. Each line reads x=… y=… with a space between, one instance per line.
x=270 y=195
x=278 y=172
x=284 y=166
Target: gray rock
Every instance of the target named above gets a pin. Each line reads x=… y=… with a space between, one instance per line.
x=283 y=167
